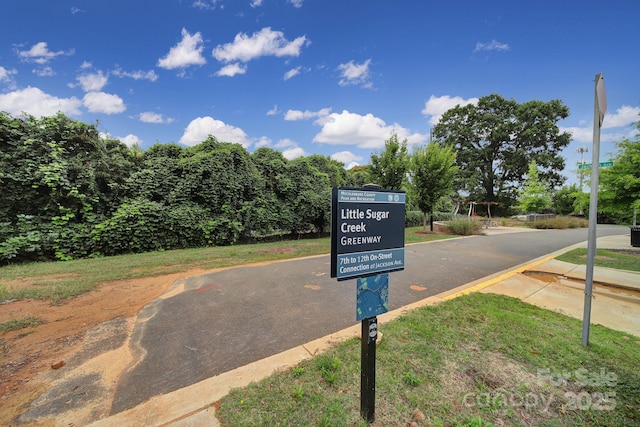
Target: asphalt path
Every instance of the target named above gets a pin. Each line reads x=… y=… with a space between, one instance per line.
x=213 y=323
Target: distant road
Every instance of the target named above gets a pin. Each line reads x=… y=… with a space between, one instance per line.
x=224 y=320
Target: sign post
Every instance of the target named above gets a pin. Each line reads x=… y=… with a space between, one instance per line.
x=367 y=241
x=369 y=334
x=600 y=107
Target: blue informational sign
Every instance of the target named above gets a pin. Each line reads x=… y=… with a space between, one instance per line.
x=367 y=235
x=373 y=296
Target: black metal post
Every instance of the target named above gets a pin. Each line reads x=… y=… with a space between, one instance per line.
x=368 y=368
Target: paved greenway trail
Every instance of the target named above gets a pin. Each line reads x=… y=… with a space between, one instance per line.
x=210 y=324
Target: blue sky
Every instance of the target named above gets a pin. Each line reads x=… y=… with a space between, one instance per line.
x=330 y=77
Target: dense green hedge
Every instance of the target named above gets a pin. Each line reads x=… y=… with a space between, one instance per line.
x=68 y=193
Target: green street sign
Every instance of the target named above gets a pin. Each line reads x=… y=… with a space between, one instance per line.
x=588 y=165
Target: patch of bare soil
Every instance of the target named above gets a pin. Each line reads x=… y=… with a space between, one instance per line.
x=30 y=353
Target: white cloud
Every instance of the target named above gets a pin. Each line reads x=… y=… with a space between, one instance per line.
x=40 y=53
x=44 y=72
x=493 y=45
x=624 y=116
x=296 y=3
x=86 y=65
x=136 y=75
x=231 y=70
x=351 y=165
x=201 y=127
x=348 y=158
x=293 y=153
x=101 y=102
x=186 y=53
x=263 y=141
x=365 y=131
x=6 y=76
x=292 y=73
x=355 y=74
x=273 y=111
x=294 y=115
x=286 y=143
x=437 y=106
x=290 y=149
x=207 y=5
x=37 y=103
x=151 y=117
x=92 y=82
x=578 y=134
x=256 y=3
x=129 y=140
x=265 y=42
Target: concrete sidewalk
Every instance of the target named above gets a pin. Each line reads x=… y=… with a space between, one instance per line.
x=559 y=286
x=544 y=282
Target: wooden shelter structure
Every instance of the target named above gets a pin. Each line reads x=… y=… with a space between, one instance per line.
x=472 y=207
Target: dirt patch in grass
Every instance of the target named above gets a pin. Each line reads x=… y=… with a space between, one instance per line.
x=626 y=252
x=276 y=250
x=29 y=352
x=635 y=254
x=36 y=281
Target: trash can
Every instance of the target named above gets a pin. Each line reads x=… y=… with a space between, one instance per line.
x=635 y=236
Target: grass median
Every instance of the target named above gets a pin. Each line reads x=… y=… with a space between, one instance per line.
x=478 y=360
x=616 y=259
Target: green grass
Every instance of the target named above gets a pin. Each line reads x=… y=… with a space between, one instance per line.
x=620 y=260
x=16 y=324
x=57 y=281
x=477 y=360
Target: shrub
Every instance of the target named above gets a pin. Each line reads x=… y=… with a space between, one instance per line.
x=137 y=226
x=413 y=219
x=560 y=222
x=185 y=223
x=23 y=242
x=464 y=227
x=222 y=231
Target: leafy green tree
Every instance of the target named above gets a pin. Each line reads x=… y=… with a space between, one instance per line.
x=497 y=139
x=389 y=168
x=221 y=177
x=309 y=196
x=218 y=181
x=270 y=211
x=564 y=199
x=60 y=174
x=581 y=203
x=432 y=170
x=160 y=177
x=620 y=183
x=334 y=169
x=534 y=195
x=358 y=176
x=272 y=166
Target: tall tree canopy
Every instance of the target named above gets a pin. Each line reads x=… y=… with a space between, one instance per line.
x=389 y=167
x=620 y=183
x=534 y=194
x=498 y=138
x=432 y=172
